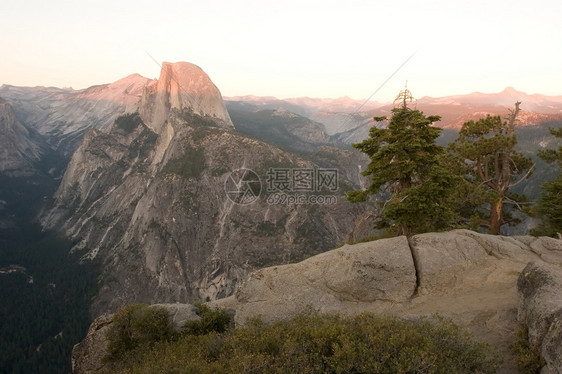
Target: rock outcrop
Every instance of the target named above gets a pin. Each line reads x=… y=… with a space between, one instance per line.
x=362 y=273
x=540 y=309
x=486 y=284
x=469 y=277
x=88 y=355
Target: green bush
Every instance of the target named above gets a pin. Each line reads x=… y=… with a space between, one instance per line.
x=212 y=320
x=324 y=344
x=137 y=325
x=128 y=122
x=189 y=165
x=528 y=361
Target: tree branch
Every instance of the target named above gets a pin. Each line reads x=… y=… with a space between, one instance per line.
x=527 y=174
x=513 y=113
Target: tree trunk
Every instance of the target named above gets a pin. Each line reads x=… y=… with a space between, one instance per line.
x=496 y=210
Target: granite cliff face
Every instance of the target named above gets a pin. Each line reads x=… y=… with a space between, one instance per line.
x=182 y=86
x=148 y=199
x=17 y=150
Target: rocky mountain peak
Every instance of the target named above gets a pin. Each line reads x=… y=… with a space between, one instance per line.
x=512 y=91
x=182 y=86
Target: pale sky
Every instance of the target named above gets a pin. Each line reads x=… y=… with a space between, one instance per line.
x=290 y=48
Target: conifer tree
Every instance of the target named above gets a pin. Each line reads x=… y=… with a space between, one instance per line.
x=406 y=170
x=550 y=203
x=486 y=147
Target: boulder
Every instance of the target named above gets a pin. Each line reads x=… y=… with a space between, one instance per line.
x=444 y=259
x=441 y=259
x=88 y=355
x=540 y=309
x=180 y=314
x=365 y=272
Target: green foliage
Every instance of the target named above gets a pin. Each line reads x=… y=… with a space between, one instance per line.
x=550 y=208
x=189 y=165
x=212 y=320
x=194 y=119
x=528 y=361
x=408 y=165
x=550 y=204
x=128 y=122
x=139 y=148
x=485 y=157
x=312 y=343
x=138 y=325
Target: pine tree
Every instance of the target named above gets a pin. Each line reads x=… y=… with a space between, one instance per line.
x=550 y=203
x=406 y=167
x=493 y=167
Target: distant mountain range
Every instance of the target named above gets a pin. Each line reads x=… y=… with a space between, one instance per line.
x=62 y=115
x=305 y=106
x=349 y=120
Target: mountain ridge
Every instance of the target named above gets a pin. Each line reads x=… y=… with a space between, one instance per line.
x=62 y=116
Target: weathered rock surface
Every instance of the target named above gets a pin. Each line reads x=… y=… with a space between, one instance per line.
x=540 y=309
x=88 y=355
x=469 y=277
x=361 y=273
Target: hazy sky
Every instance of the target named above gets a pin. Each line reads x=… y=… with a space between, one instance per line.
x=288 y=48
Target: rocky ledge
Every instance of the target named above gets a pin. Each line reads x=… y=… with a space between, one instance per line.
x=487 y=284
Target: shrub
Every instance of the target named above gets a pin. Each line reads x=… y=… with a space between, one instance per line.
x=128 y=122
x=312 y=343
x=136 y=325
x=189 y=165
x=528 y=361
x=212 y=320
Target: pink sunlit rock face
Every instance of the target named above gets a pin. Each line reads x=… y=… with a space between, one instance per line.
x=182 y=86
